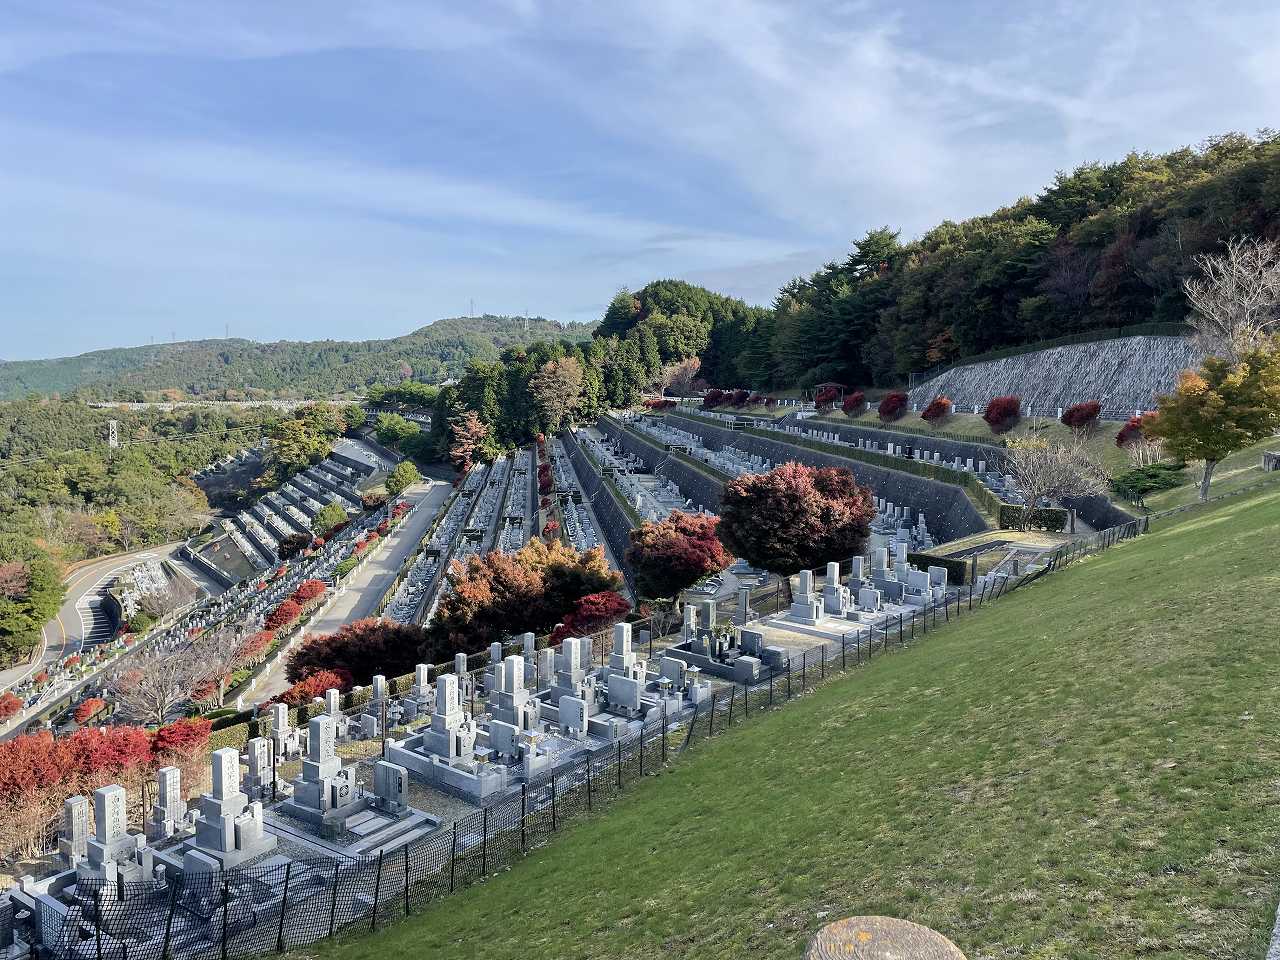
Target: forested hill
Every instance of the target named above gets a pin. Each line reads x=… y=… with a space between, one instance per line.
x=233 y=369
x=1105 y=245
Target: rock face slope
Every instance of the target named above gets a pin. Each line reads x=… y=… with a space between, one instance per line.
x=1125 y=375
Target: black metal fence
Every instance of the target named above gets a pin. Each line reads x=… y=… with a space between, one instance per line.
x=251 y=911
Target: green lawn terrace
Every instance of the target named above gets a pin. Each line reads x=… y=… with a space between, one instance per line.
x=1084 y=769
x=1239 y=470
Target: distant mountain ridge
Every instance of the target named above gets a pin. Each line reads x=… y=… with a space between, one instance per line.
x=284 y=368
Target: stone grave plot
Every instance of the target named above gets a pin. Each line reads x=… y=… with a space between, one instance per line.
x=653 y=497
x=332 y=812
x=535 y=712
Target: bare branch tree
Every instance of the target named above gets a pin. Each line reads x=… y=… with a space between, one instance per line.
x=1236 y=303
x=159 y=681
x=157 y=603
x=1052 y=469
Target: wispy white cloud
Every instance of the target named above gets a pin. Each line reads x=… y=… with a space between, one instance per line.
x=735 y=143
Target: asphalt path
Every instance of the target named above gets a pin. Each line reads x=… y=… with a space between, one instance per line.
x=366 y=586
x=80 y=621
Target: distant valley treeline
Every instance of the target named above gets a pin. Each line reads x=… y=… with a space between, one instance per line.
x=244 y=369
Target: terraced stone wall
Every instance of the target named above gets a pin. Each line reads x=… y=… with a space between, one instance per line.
x=1124 y=375
x=949 y=513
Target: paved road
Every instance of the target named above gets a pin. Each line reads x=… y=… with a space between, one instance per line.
x=365 y=587
x=80 y=622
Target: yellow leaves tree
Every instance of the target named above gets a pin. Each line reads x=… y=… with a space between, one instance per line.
x=1221 y=408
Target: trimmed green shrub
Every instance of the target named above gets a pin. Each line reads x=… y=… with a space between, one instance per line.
x=1052 y=519
x=1138 y=482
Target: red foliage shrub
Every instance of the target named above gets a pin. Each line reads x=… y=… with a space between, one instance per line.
x=551 y=529
x=309 y=590
x=89 y=708
x=1002 y=413
x=659 y=403
x=181 y=738
x=72 y=661
x=383 y=528
x=675 y=554
x=9 y=704
x=307 y=689
x=107 y=750
x=1132 y=431
x=939 y=409
x=545 y=502
x=593 y=612
x=713 y=399
x=319 y=542
x=770 y=401
x=280 y=572
x=41 y=678
x=826 y=397
x=854 y=403
x=29 y=763
x=283 y=615
x=893 y=406
x=361 y=649
x=255 y=647
x=1080 y=416
x=740 y=398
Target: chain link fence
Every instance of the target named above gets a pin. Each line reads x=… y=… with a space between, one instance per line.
x=255 y=910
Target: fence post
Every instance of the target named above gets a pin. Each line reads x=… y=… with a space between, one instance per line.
x=484 y=842
x=692 y=723
x=590 y=790
x=333 y=902
x=617 y=765
x=899 y=630
x=101 y=918
x=406 y=879
x=664 y=734
x=377 y=892
x=553 y=802
x=971 y=596
x=844 y=647
x=524 y=804
x=804 y=668
x=733 y=694
x=822 y=663
x=284 y=903
x=168 y=923
x=453 y=857
x=642 y=751
x=788 y=678
x=226 y=908
x=771 y=673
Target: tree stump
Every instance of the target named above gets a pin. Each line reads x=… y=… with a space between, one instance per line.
x=880 y=938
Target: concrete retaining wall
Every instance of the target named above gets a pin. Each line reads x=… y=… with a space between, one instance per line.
x=949 y=448
x=704 y=490
x=1124 y=375
x=948 y=511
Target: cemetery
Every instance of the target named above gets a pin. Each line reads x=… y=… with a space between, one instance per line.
x=246 y=543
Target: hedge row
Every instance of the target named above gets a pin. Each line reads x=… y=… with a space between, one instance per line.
x=957 y=569
x=1052 y=519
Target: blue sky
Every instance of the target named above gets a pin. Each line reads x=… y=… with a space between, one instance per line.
x=301 y=170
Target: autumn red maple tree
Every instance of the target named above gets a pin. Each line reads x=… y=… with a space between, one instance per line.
x=674 y=554
x=795 y=517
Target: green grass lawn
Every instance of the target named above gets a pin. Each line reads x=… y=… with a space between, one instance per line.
x=1240 y=469
x=1088 y=768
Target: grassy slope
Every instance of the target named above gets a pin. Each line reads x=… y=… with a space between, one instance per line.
x=1240 y=469
x=1087 y=769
